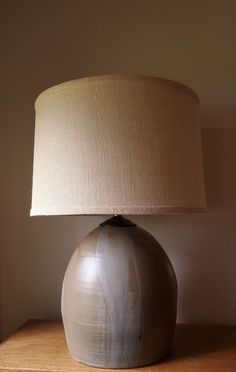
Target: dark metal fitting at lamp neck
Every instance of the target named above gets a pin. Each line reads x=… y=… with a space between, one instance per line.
x=117 y=221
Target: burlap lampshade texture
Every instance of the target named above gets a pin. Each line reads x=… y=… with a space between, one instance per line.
x=117 y=145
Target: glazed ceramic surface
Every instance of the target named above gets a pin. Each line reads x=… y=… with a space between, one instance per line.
x=119 y=299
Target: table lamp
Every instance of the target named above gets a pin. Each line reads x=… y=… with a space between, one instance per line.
x=113 y=145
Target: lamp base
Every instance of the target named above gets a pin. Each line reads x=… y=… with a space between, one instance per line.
x=119 y=298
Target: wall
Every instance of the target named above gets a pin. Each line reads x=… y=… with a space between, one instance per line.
x=47 y=42
x=2 y=191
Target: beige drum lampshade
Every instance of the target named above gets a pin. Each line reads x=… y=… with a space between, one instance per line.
x=117 y=145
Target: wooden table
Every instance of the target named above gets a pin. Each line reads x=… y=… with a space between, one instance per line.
x=40 y=346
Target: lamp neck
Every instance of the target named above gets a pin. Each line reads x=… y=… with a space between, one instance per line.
x=117 y=221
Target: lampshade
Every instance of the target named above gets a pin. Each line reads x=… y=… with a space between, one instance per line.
x=117 y=145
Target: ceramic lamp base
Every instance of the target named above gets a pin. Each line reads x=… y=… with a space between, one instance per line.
x=119 y=298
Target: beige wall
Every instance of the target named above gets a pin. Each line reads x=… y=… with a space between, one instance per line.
x=45 y=42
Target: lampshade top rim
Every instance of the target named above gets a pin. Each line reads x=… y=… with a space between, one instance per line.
x=116 y=77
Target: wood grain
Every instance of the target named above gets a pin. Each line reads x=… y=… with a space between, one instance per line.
x=40 y=346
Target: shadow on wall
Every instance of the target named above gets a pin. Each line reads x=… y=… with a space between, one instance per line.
x=208 y=292
x=219 y=151
x=202 y=247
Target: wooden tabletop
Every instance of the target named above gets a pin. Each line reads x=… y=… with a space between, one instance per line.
x=40 y=346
